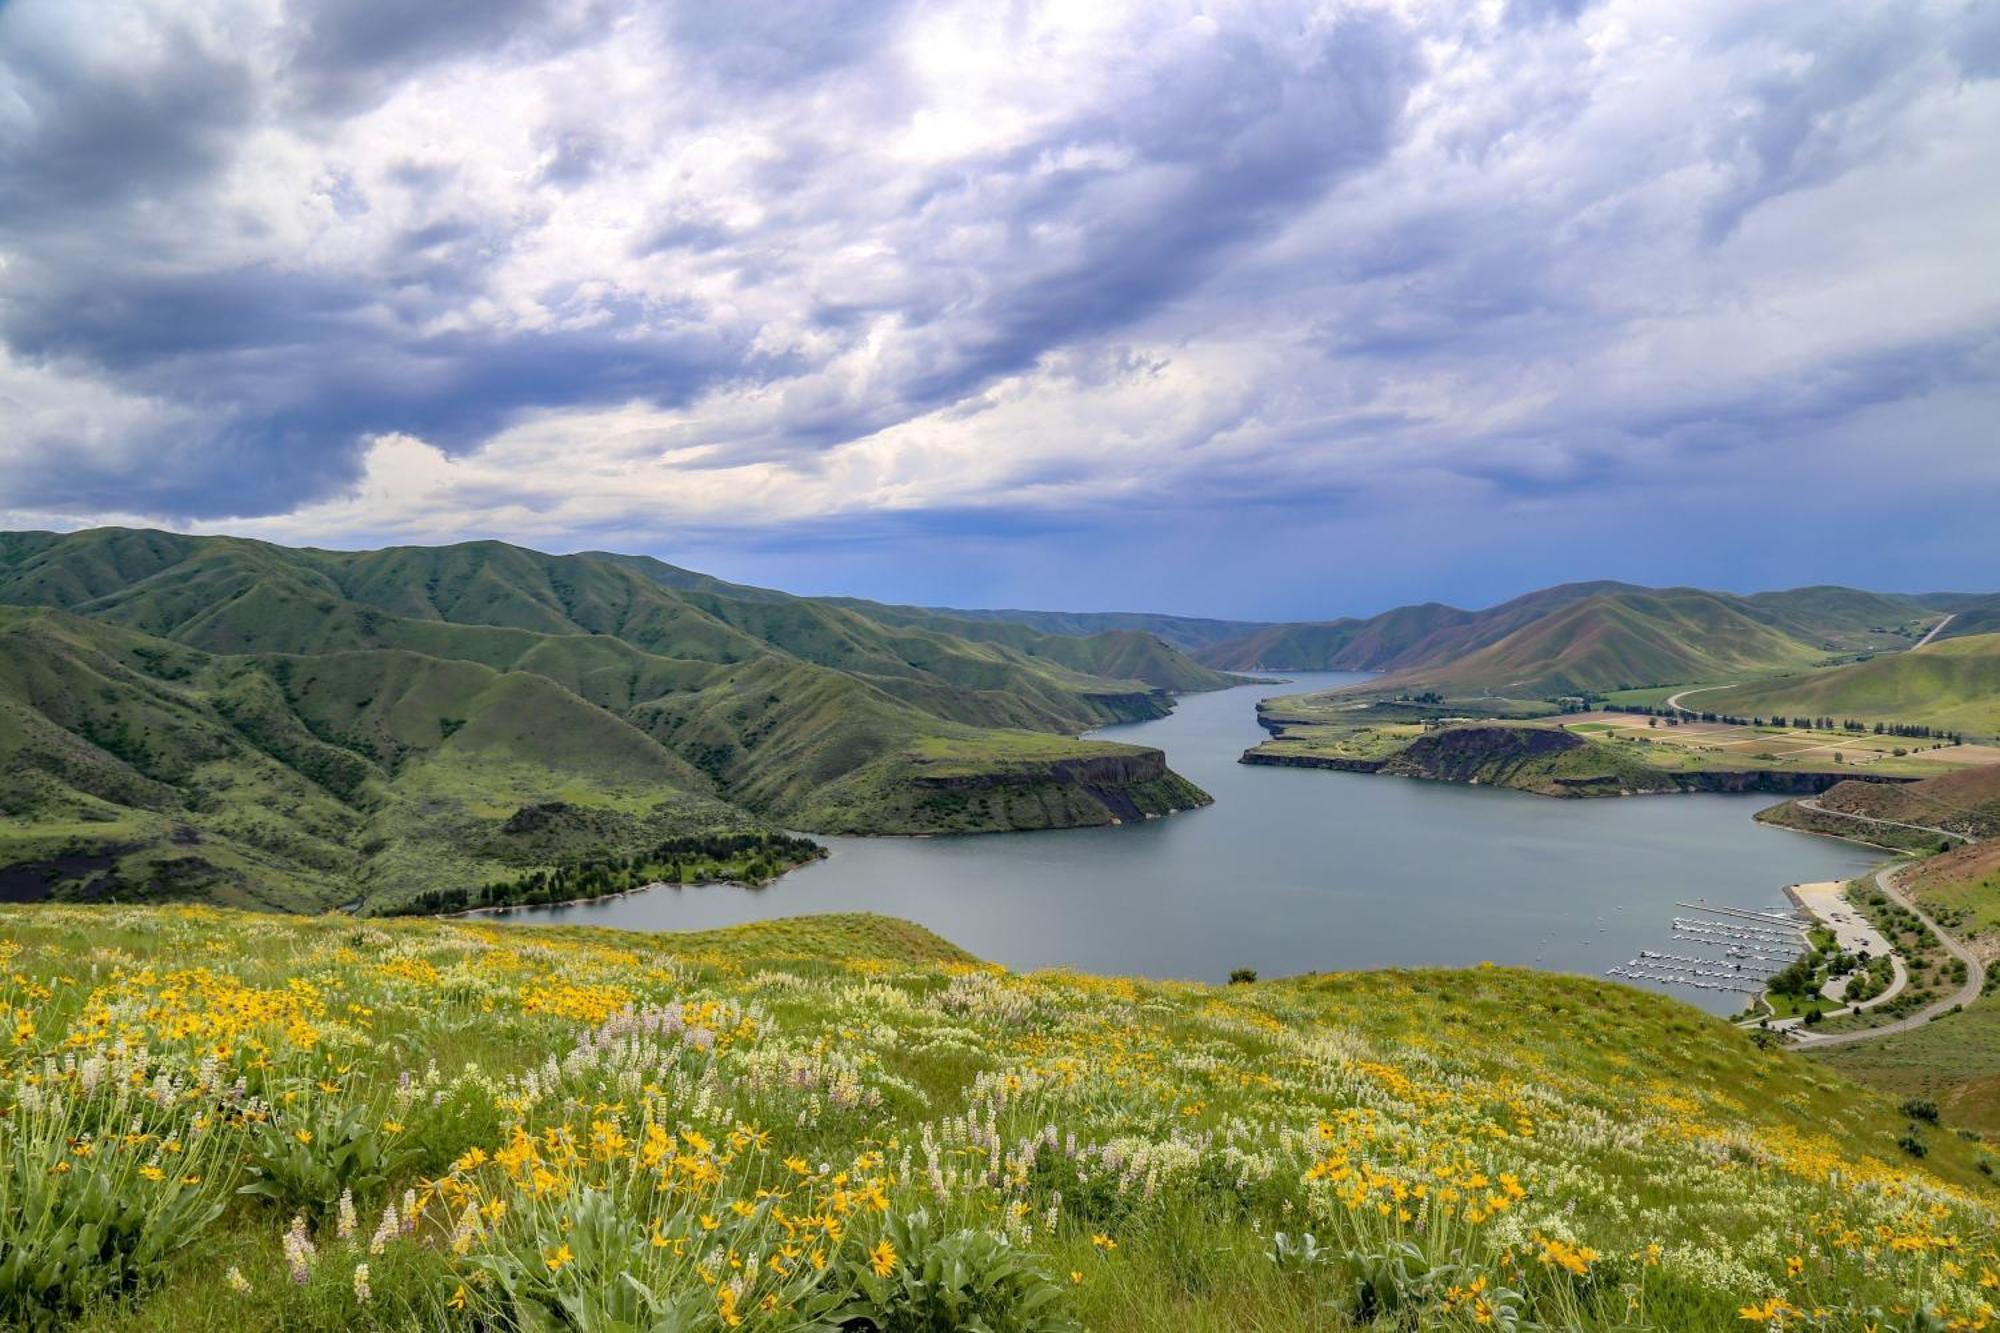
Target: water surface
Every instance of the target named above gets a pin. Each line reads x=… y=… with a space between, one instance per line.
x=1294 y=870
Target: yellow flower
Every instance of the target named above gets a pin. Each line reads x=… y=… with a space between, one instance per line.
x=303 y=1135
x=1075 y=1275
x=457 y=1301
x=1103 y=1242
x=561 y=1259
x=152 y=1173
x=882 y=1258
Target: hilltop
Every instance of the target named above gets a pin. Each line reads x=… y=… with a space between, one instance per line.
x=298 y=728
x=845 y=1122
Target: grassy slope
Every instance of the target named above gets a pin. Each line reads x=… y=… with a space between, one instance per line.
x=1096 y=645
x=1617 y=642
x=1188 y=633
x=1953 y=1060
x=368 y=720
x=1405 y=636
x=294 y=778
x=1676 y=629
x=1533 y=1131
x=1953 y=683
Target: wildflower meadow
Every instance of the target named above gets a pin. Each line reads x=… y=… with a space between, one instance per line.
x=223 y=1120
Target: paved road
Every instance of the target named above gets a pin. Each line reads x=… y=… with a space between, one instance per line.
x=1975 y=978
x=1812 y=803
x=1934 y=631
x=1674 y=700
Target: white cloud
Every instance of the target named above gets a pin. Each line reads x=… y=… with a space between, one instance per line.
x=604 y=268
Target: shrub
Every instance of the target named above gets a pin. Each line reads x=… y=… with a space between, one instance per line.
x=305 y=1162
x=1241 y=976
x=1921 y=1108
x=85 y=1215
x=918 y=1281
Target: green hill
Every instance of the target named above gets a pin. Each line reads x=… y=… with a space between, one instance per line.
x=1188 y=633
x=1973 y=616
x=1403 y=637
x=843 y=1122
x=1617 y=641
x=1822 y=620
x=296 y=727
x=1950 y=683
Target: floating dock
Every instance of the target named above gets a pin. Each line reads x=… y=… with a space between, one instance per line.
x=1749 y=945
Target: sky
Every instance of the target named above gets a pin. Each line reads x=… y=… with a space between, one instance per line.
x=1274 y=310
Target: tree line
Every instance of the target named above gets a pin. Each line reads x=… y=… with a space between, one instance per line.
x=1911 y=730
x=702 y=858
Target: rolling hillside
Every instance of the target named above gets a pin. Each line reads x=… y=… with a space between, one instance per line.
x=292 y=727
x=1403 y=637
x=322 y=1125
x=1187 y=633
x=1951 y=683
x=1618 y=641
x=1827 y=619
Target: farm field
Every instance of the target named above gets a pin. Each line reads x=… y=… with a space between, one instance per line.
x=1781 y=747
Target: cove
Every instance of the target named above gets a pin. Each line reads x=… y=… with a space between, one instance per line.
x=1294 y=870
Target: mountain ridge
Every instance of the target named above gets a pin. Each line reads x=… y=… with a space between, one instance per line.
x=373 y=718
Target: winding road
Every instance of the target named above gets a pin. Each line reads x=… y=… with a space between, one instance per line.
x=1674 y=700
x=1812 y=803
x=1975 y=978
x=1934 y=631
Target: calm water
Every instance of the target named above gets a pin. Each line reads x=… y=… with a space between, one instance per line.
x=1294 y=870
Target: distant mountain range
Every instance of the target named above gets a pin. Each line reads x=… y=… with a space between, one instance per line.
x=1584 y=638
x=298 y=727
x=1593 y=636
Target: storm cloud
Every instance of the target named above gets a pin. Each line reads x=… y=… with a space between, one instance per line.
x=932 y=300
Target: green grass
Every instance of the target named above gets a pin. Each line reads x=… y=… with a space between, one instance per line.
x=1952 y=683
x=1592 y=1156
x=1621 y=641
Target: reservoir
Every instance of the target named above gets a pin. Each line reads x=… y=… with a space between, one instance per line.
x=1295 y=870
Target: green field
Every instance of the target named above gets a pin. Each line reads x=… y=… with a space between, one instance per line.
x=845 y=1122
x=1951 y=683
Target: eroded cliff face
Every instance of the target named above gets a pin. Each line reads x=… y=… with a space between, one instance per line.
x=1066 y=793
x=913 y=796
x=1480 y=754
x=1552 y=762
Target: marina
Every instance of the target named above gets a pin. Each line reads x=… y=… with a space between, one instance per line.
x=1748 y=946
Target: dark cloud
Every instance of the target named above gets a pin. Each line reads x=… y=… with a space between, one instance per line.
x=1810 y=120
x=83 y=133
x=1287 y=262
x=1531 y=12
x=1976 y=41
x=776 y=44
x=348 y=53
x=1224 y=145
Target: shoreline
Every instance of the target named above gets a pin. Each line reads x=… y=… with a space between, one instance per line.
x=507 y=908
